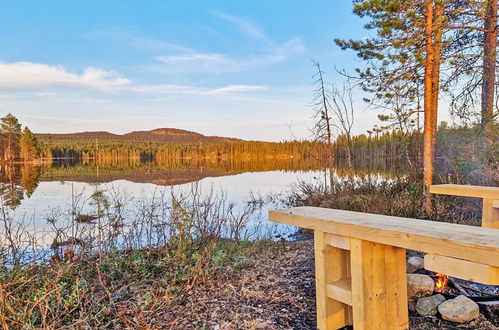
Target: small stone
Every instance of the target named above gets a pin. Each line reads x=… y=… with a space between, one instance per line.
x=414 y=264
x=419 y=285
x=460 y=309
x=427 y=306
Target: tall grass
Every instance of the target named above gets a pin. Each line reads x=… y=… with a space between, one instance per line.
x=110 y=219
x=399 y=196
x=109 y=260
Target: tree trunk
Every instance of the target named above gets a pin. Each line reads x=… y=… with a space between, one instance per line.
x=428 y=109
x=433 y=39
x=489 y=67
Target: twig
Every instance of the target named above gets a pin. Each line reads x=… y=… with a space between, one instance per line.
x=458 y=287
x=478 y=291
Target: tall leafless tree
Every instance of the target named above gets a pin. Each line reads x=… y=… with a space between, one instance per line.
x=323 y=129
x=342 y=109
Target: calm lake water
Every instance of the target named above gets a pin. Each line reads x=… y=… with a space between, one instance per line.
x=42 y=200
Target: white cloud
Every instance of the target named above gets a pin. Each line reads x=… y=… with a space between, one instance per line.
x=27 y=75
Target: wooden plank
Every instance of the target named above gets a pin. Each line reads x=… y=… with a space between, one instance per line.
x=490 y=214
x=341 y=290
x=465 y=190
x=466 y=270
x=340 y=242
x=463 y=242
x=379 y=299
x=331 y=264
x=396 y=288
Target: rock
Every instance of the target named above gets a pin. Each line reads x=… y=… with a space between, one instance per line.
x=411 y=304
x=419 y=285
x=460 y=309
x=490 y=309
x=427 y=306
x=414 y=263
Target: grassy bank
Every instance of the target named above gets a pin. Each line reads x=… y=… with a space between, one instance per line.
x=119 y=289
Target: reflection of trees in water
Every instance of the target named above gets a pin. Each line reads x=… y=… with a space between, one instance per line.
x=30 y=177
x=184 y=171
x=17 y=182
x=12 y=194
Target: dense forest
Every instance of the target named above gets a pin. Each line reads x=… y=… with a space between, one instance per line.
x=165 y=144
x=169 y=146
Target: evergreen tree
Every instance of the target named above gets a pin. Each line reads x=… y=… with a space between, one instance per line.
x=10 y=130
x=405 y=58
x=29 y=145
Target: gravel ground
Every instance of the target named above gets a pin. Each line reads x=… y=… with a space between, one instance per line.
x=275 y=293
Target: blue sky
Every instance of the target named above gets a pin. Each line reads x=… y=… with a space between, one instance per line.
x=228 y=68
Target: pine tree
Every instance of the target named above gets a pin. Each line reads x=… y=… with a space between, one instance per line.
x=29 y=145
x=10 y=130
x=406 y=56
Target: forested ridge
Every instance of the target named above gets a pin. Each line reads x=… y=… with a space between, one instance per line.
x=170 y=145
x=166 y=144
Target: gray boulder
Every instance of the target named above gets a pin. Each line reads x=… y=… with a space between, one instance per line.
x=460 y=309
x=427 y=306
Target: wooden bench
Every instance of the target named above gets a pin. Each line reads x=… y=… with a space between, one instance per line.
x=489 y=196
x=360 y=261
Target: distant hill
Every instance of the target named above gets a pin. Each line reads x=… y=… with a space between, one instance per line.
x=159 y=135
x=164 y=145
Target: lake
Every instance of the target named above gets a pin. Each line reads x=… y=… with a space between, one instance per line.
x=57 y=202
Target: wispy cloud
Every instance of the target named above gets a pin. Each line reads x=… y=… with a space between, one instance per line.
x=133 y=37
x=198 y=62
x=267 y=53
x=181 y=90
x=235 y=89
x=245 y=26
x=216 y=63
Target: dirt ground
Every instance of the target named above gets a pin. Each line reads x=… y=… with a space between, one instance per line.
x=275 y=293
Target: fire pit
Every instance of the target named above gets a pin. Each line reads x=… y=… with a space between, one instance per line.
x=485 y=296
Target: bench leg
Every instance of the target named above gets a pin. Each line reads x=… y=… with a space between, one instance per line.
x=379 y=286
x=490 y=214
x=331 y=264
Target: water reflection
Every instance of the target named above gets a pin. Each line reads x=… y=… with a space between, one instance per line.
x=44 y=204
x=20 y=181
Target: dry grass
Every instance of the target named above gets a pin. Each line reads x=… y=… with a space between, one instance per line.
x=401 y=197
x=249 y=287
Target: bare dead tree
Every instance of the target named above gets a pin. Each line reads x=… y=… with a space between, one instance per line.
x=343 y=111
x=322 y=129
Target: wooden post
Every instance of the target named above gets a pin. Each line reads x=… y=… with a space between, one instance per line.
x=490 y=213
x=379 y=286
x=331 y=264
